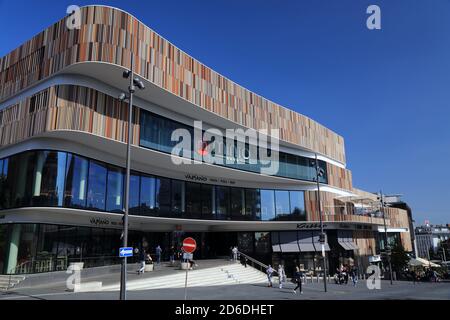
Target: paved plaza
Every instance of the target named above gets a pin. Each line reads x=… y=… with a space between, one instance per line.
x=312 y=291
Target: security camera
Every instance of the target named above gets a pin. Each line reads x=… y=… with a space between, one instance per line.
x=138 y=83
x=126 y=74
x=122 y=96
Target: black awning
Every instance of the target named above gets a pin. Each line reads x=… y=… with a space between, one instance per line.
x=345 y=239
x=288 y=241
x=275 y=242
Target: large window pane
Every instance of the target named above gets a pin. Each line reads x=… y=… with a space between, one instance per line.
x=19 y=177
x=222 y=202
x=177 y=197
x=297 y=200
x=76 y=181
x=163 y=203
x=134 y=193
x=114 y=198
x=267 y=204
x=282 y=204
x=3 y=244
x=208 y=197
x=48 y=178
x=262 y=242
x=156 y=132
x=2 y=187
x=193 y=200
x=237 y=203
x=252 y=204
x=96 y=186
x=148 y=190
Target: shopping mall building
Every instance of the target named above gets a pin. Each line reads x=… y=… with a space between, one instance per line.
x=63 y=136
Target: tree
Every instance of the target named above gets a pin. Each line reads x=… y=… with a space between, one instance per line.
x=399 y=258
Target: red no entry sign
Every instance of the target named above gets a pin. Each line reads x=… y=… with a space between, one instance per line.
x=189 y=245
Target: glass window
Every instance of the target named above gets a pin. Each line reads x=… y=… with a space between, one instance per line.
x=267 y=205
x=208 y=197
x=282 y=204
x=177 y=197
x=76 y=181
x=1 y=188
x=252 y=204
x=291 y=166
x=134 y=193
x=297 y=199
x=114 y=198
x=48 y=178
x=19 y=175
x=193 y=200
x=3 y=244
x=96 y=186
x=156 y=132
x=237 y=203
x=163 y=203
x=262 y=242
x=222 y=202
x=148 y=189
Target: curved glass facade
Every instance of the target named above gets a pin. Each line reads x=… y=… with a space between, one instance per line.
x=61 y=179
x=156 y=133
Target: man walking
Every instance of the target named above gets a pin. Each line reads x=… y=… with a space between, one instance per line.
x=158 y=254
x=354 y=275
x=235 y=253
x=142 y=257
x=298 y=278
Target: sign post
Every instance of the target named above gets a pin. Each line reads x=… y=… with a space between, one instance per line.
x=189 y=246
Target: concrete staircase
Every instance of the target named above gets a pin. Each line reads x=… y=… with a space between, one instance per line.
x=225 y=274
x=10 y=281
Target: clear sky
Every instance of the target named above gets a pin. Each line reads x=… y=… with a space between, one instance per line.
x=386 y=91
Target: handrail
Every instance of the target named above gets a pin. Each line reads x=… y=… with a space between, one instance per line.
x=253 y=260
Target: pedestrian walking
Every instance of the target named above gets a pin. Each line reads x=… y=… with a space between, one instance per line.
x=281 y=276
x=298 y=279
x=269 y=272
x=235 y=253
x=158 y=254
x=142 y=257
x=172 y=255
x=354 y=275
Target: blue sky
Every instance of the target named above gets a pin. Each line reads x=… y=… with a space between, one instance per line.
x=386 y=91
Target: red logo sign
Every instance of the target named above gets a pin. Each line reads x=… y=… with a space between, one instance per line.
x=189 y=245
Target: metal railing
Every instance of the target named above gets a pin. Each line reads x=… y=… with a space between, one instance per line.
x=261 y=266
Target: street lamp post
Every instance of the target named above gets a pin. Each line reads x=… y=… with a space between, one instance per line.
x=134 y=82
x=387 y=247
x=319 y=173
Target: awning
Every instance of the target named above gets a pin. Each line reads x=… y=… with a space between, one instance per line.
x=305 y=242
x=288 y=241
x=420 y=262
x=345 y=239
x=316 y=241
x=275 y=242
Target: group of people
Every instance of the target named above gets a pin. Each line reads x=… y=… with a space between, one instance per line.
x=426 y=275
x=344 y=273
x=298 y=277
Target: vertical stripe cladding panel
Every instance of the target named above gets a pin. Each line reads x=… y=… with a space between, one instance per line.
x=108 y=35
